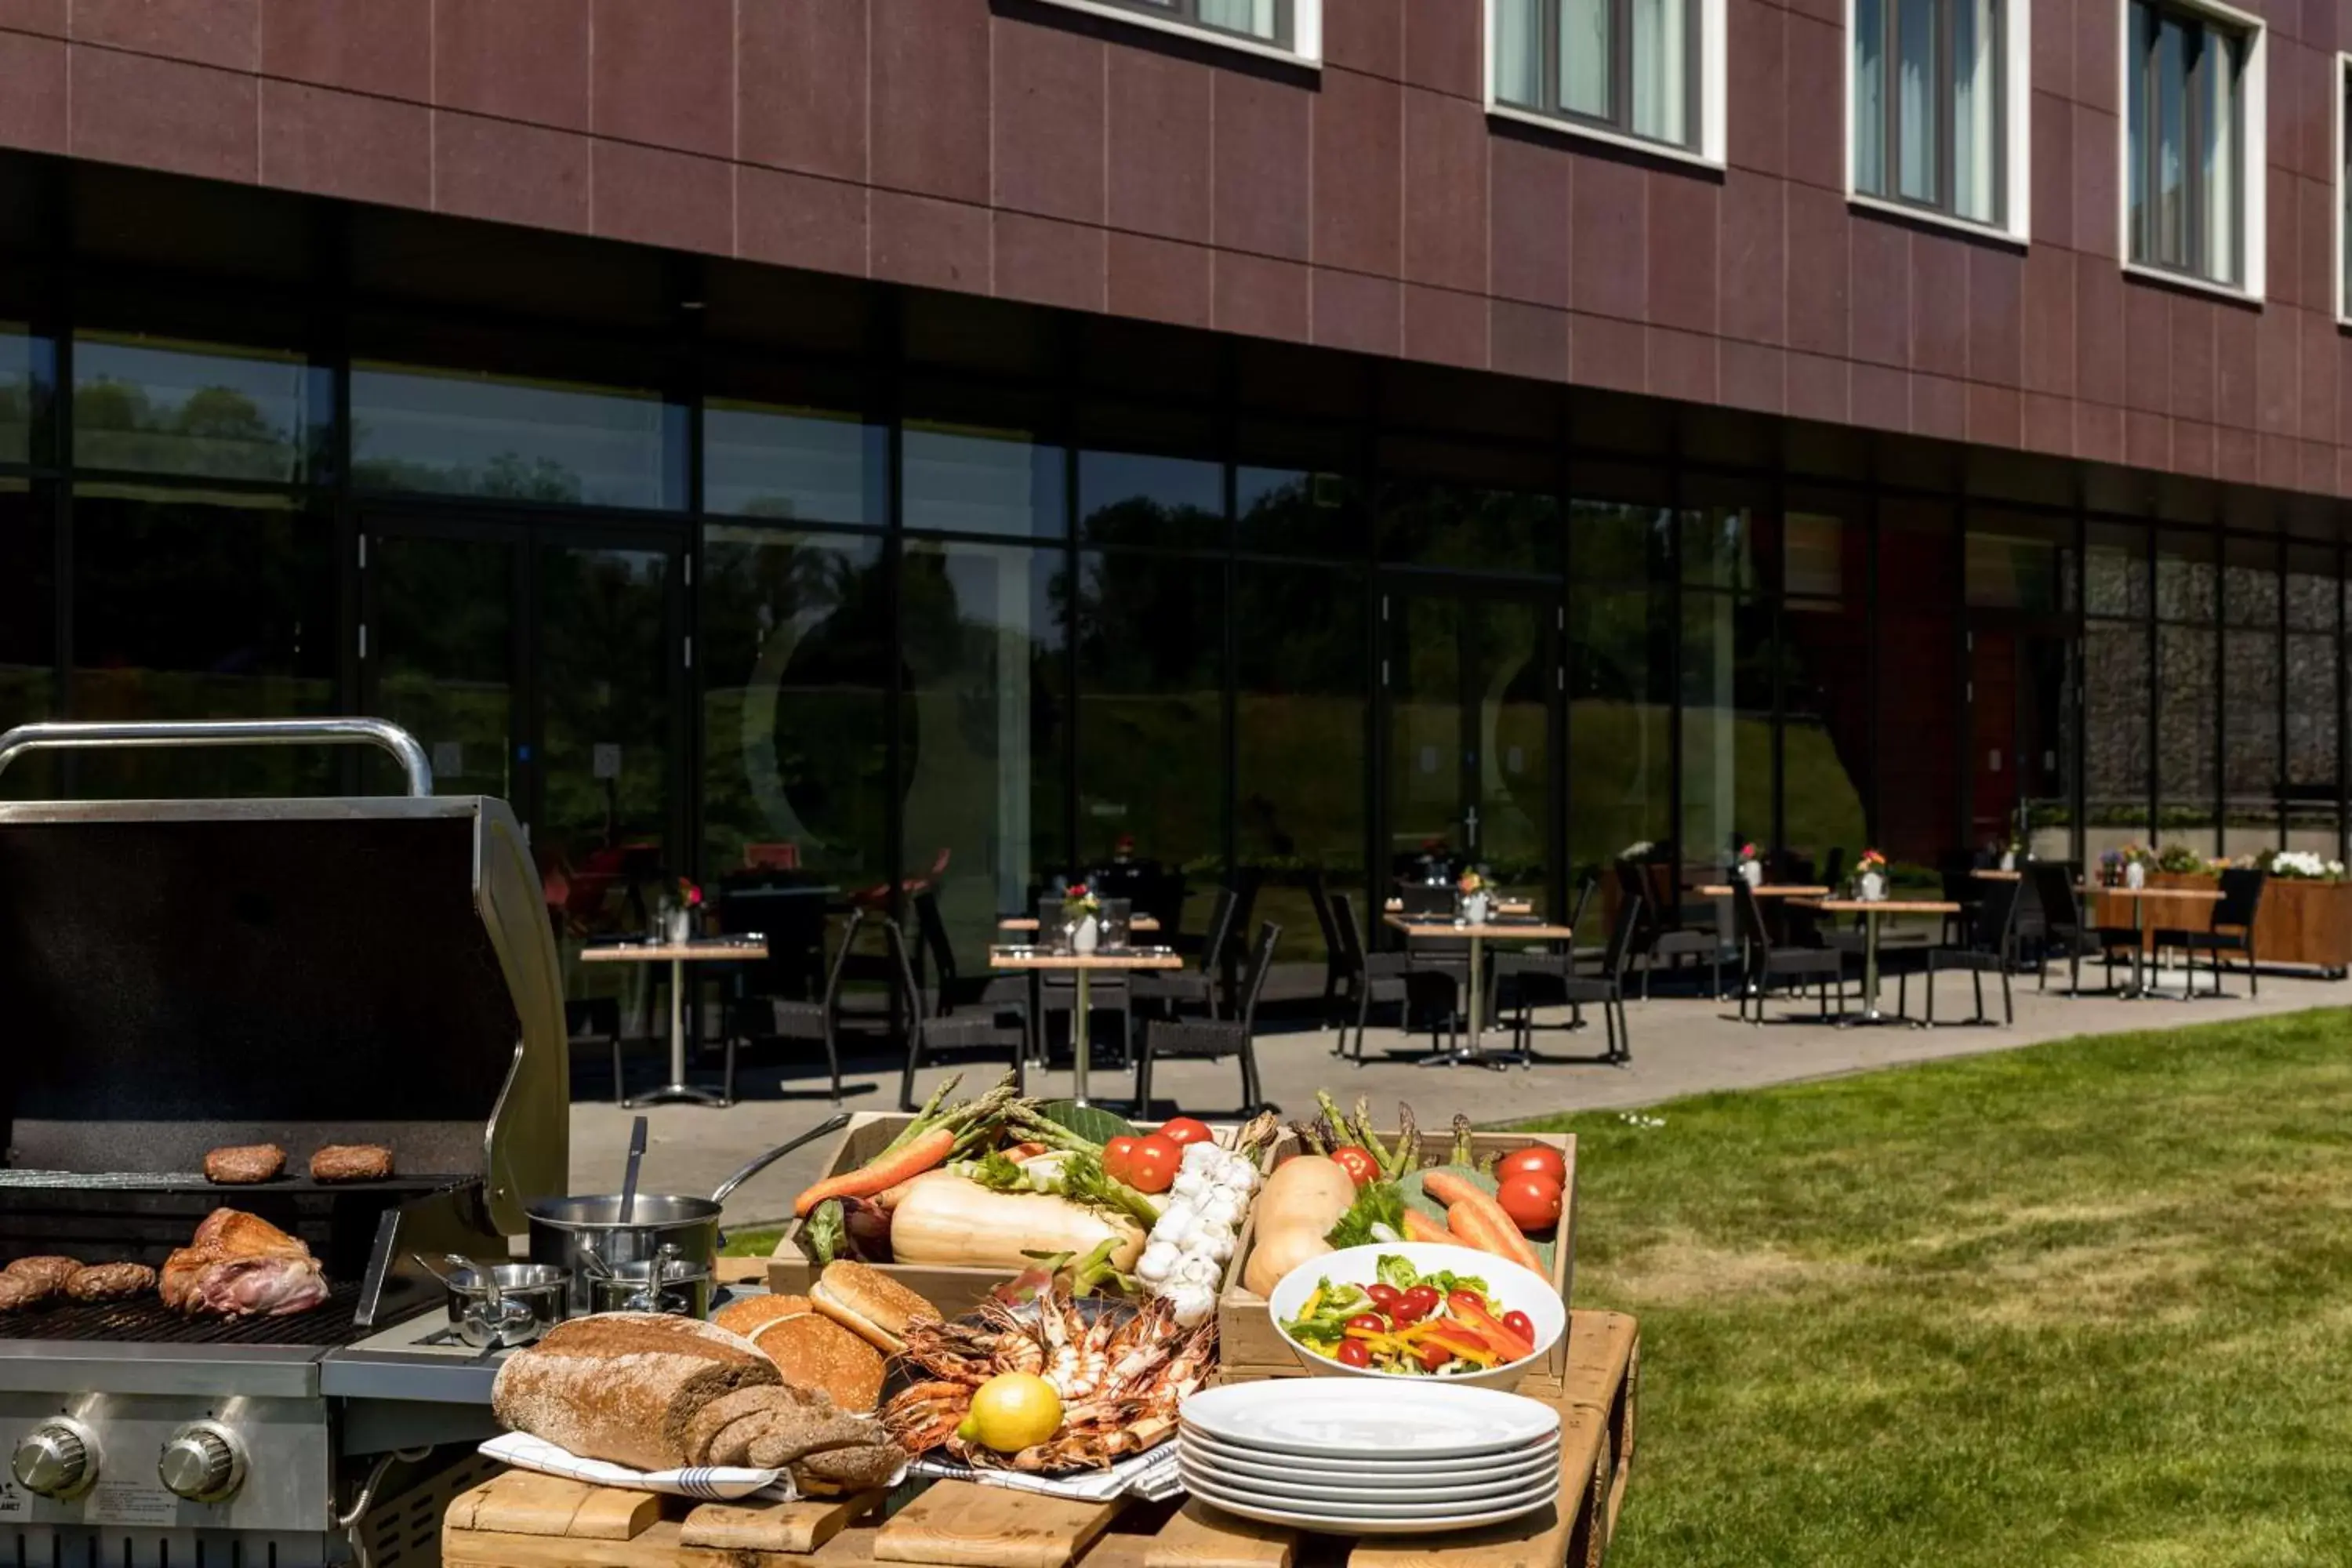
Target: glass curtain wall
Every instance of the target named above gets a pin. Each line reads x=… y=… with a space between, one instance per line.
x=1823 y=655
x=2313 y=694
x=2118 y=780
x=2188 y=689
x=1919 y=769
x=1621 y=669
x=1725 y=679
x=2253 y=778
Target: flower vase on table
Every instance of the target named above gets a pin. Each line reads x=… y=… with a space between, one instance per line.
x=1477 y=904
x=1750 y=866
x=1869 y=885
x=2134 y=875
x=678 y=915
x=1082 y=918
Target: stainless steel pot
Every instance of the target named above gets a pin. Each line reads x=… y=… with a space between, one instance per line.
x=588 y=1236
x=667 y=1284
x=505 y=1305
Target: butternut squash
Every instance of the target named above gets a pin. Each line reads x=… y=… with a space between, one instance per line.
x=1304 y=1198
x=959 y=1223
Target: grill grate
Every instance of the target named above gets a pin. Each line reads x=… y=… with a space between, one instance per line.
x=180 y=1182
x=147 y=1320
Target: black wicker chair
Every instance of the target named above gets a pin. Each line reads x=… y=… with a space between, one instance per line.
x=1377 y=979
x=2232 y=928
x=1605 y=990
x=1768 y=960
x=1212 y=1039
x=2068 y=934
x=1992 y=949
x=1002 y=1026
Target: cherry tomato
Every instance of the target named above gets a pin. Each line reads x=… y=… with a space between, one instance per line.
x=1520 y=1324
x=1359 y=1163
x=1384 y=1297
x=1432 y=1357
x=1183 y=1132
x=1152 y=1164
x=1532 y=1201
x=1415 y=1304
x=1354 y=1353
x=1368 y=1322
x=1535 y=1160
x=1114 y=1156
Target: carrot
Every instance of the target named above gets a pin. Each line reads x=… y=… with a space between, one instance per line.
x=927 y=1150
x=1478 y=1220
x=1419 y=1226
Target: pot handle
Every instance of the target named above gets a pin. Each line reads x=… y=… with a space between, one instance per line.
x=834 y=1123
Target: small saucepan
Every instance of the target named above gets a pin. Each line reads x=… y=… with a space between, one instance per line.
x=583 y=1236
x=504 y=1305
x=668 y=1283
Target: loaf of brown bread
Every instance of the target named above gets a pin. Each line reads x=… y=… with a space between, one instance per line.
x=725 y=1411
x=625 y=1386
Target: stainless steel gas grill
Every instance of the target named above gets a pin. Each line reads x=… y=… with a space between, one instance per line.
x=178 y=977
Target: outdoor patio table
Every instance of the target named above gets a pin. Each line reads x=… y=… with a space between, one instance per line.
x=1991 y=874
x=1529 y=929
x=2140 y=898
x=1502 y=906
x=1872 y=912
x=678 y=955
x=1142 y=924
x=1082 y=966
x=1768 y=891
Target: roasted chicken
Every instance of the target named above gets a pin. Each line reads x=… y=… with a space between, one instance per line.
x=240 y=1265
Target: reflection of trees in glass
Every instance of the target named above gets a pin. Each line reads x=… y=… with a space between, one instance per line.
x=1149 y=634
x=795 y=633
x=216 y=431
x=603 y=678
x=1435 y=523
x=506 y=476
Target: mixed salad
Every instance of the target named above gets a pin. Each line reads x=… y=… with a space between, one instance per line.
x=1440 y=1324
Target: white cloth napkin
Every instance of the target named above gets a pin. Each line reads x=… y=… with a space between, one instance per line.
x=705 y=1483
x=1151 y=1475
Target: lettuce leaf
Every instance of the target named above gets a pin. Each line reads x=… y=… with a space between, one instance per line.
x=1380 y=1204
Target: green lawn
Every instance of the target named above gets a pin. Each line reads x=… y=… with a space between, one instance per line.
x=2089 y=1303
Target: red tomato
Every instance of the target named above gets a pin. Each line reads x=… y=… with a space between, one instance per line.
x=1355 y=1353
x=1368 y=1322
x=1183 y=1132
x=1434 y=1356
x=1520 y=1324
x=1415 y=1304
x=1152 y=1164
x=1533 y=1160
x=1384 y=1297
x=1359 y=1163
x=1114 y=1156
x=1532 y=1201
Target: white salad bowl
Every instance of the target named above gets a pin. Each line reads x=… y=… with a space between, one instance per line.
x=1512 y=1289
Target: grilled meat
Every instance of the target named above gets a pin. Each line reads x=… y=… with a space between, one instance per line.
x=240 y=1265
x=46 y=1275
x=351 y=1163
x=244 y=1163
x=109 y=1281
x=21 y=1290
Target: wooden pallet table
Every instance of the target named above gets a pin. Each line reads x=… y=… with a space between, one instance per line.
x=519 y=1521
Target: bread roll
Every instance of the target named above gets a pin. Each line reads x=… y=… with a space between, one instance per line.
x=816 y=1352
x=625 y=1386
x=869 y=1304
x=751 y=1313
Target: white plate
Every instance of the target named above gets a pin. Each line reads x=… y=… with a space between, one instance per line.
x=1347 y=1419
x=1482 y=1494
x=1362 y=1507
x=1483 y=1470
x=1363 y=1524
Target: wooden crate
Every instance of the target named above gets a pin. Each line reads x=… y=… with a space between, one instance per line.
x=2299 y=922
x=954 y=1291
x=536 y=1522
x=1248 y=1344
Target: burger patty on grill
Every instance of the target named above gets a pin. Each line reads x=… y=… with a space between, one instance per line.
x=244 y=1163
x=351 y=1163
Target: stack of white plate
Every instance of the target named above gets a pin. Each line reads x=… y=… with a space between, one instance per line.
x=1370 y=1458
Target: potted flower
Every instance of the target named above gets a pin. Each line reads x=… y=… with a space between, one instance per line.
x=1750 y=866
x=1080 y=909
x=2012 y=852
x=680 y=912
x=2301 y=866
x=2180 y=860
x=1870 y=885
x=1475 y=903
x=2135 y=858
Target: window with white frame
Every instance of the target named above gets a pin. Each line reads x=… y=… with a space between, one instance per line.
x=1646 y=69
x=2193 y=135
x=1934 y=84
x=1290 y=26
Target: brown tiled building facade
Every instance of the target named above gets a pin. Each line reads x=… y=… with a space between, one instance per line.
x=1367 y=201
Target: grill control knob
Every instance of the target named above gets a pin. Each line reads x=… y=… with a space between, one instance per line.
x=56 y=1459
x=203 y=1462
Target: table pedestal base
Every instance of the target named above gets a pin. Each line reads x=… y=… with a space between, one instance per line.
x=677 y=1094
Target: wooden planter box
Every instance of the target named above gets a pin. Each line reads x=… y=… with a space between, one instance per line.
x=1248 y=1344
x=2299 y=922
x=953 y=1290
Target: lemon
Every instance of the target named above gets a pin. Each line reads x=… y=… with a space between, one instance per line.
x=1014 y=1410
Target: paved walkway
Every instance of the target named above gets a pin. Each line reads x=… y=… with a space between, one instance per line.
x=1680 y=1046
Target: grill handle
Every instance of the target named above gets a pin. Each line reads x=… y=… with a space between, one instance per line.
x=381 y=733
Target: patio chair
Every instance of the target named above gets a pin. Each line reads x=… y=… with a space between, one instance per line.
x=1319 y=895
x=1551 y=964
x=2070 y=934
x=1991 y=947
x=594 y=1020
x=950 y=988
x=1377 y=979
x=1605 y=990
x=1177 y=989
x=1214 y=1039
x=1768 y=960
x=1002 y=1026
x=2233 y=930
x=778 y=1018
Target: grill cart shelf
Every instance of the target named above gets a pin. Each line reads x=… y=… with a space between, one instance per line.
x=521 y=1520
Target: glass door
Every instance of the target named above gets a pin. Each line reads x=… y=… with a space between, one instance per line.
x=544 y=664
x=2021 y=721
x=1471 y=714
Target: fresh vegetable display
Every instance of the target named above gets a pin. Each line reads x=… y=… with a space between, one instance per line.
x=1304 y=1198
x=1442 y=1324
x=1198 y=1230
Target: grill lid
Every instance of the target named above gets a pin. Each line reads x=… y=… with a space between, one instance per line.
x=183 y=974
